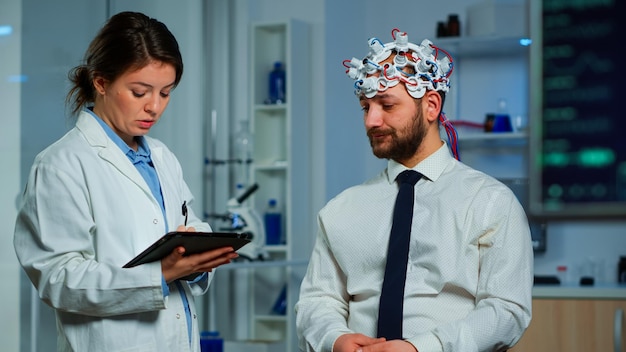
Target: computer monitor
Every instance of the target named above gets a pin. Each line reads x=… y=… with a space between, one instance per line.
x=577 y=130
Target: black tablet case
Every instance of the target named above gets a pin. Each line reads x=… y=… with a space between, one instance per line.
x=194 y=242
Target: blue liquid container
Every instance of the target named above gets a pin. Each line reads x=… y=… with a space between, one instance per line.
x=210 y=341
x=280 y=305
x=273 y=222
x=277 y=84
x=502 y=123
x=501 y=119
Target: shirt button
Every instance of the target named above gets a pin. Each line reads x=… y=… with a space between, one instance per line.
x=177 y=316
x=194 y=316
x=155 y=221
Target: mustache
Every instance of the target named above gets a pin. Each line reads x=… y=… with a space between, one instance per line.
x=376 y=131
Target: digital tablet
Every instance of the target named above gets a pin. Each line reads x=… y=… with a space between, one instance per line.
x=194 y=242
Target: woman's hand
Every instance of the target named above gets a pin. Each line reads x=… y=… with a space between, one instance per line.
x=177 y=265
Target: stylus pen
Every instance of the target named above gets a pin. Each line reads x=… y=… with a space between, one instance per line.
x=185 y=212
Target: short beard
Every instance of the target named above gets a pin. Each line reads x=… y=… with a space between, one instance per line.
x=402 y=146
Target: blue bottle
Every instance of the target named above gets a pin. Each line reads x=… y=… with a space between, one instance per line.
x=277 y=84
x=280 y=305
x=210 y=341
x=273 y=220
x=502 y=119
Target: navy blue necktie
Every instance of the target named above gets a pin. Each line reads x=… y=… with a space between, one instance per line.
x=392 y=295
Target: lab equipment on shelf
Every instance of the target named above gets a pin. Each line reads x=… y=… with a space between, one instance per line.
x=273 y=223
x=277 y=84
x=210 y=341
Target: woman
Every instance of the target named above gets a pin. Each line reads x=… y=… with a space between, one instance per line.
x=104 y=192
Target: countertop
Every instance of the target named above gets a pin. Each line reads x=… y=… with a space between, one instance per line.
x=604 y=291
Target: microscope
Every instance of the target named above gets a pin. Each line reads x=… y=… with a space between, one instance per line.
x=244 y=219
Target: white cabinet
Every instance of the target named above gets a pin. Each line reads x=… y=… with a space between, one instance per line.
x=281 y=168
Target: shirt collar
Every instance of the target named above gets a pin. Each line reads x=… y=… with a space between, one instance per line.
x=143 y=151
x=432 y=167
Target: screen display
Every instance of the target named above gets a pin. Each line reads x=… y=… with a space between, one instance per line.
x=578 y=148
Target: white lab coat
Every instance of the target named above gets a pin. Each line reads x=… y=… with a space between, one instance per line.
x=86 y=211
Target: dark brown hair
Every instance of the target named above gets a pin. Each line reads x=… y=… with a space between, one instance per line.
x=128 y=41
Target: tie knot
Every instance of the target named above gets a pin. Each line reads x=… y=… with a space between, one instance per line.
x=408 y=176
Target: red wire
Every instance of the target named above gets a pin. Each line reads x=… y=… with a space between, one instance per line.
x=467 y=123
x=393 y=33
x=448 y=55
x=452 y=135
x=385 y=74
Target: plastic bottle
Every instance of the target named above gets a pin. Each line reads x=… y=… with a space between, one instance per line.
x=277 y=84
x=243 y=154
x=210 y=341
x=280 y=305
x=273 y=219
x=442 y=29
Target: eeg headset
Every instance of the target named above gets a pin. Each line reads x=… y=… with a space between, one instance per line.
x=431 y=72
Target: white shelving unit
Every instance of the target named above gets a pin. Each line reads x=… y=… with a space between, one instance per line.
x=473 y=52
x=480 y=45
x=486 y=136
x=509 y=140
x=502 y=154
x=281 y=169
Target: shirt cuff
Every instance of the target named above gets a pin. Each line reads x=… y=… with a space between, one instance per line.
x=329 y=340
x=426 y=343
x=199 y=278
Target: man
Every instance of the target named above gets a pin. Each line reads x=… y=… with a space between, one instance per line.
x=469 y=265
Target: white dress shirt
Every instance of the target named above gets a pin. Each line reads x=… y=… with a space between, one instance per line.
x=470 y=269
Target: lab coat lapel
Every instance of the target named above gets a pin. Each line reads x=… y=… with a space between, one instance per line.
x=108 y=151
